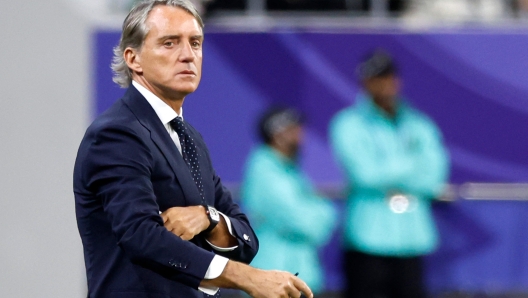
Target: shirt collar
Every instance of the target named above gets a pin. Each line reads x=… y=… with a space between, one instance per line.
x=165 y=113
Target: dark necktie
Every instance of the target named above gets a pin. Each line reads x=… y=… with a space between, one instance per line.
x=189 y=152
x=190 y=155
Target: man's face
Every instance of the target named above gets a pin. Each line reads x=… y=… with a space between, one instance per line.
x=385 y=86
x=290 y=139
x=170 y=60
x=383 y=89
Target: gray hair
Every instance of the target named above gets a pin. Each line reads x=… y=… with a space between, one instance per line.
x=134 y=32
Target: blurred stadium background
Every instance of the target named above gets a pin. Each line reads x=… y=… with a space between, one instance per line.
x=463 y=62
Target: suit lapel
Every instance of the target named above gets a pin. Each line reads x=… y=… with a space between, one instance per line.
x=148 y=118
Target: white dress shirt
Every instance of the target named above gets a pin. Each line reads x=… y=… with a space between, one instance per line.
x=166 y=114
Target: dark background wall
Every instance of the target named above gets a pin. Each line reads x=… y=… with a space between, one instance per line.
x=474 y=84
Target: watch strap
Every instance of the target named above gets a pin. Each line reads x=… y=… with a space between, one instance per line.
x=213 y=216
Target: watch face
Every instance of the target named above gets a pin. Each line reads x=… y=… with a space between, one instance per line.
x=214 y=214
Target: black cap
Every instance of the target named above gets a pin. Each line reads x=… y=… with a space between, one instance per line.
x=377 y=64
x=276 y=119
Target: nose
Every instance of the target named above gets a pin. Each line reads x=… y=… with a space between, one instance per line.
x=187 y=53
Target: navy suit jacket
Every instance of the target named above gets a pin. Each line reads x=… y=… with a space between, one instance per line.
x=127 y=170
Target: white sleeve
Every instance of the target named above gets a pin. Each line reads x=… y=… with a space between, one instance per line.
x=228 y=223
x=216 y=268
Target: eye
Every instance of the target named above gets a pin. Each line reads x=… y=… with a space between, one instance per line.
x=196 y=44
x=168 y=43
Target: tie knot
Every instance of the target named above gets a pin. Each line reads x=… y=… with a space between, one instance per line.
x=178 y=119
x=177 y=124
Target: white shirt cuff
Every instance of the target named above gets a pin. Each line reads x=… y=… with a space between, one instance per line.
x=216 y=268
x=224 y=249
x=228 y=223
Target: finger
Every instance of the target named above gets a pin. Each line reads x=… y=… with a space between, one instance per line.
x=176 y=231
x=303 y=287
x=293 y=291
x=187 y=237
x=164 y=217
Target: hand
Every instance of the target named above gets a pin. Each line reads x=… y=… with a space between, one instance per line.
x=259 y=283
x=185 y=222
x=278 y=284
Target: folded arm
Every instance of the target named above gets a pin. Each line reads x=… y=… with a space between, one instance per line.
x=116 y=165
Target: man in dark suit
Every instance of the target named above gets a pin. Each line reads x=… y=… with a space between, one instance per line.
x=154 y=218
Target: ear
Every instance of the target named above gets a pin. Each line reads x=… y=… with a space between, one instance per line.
x=133 y=60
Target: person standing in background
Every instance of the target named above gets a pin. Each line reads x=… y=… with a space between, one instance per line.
x=290 y=219
x=396 y=164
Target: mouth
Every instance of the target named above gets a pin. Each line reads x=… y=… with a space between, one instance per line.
x=187 y=72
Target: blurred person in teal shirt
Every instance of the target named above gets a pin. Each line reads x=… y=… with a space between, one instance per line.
x=289 y=218
x=396 y=164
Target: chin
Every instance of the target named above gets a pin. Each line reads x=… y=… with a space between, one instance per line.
x=185 y=88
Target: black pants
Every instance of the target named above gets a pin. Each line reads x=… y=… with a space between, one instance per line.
x=370 y=276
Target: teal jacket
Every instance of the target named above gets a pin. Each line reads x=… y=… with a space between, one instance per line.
x=290 y=220
x=382 y=157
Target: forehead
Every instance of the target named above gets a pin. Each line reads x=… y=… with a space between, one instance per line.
x=163 y=19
